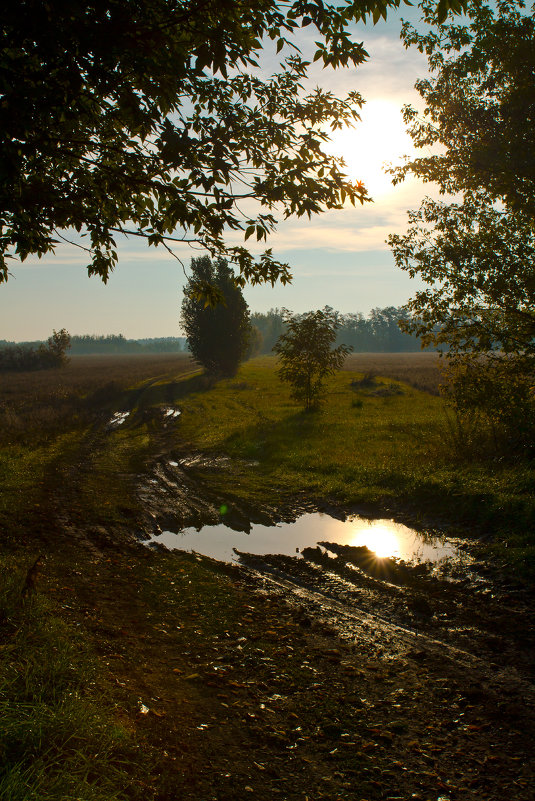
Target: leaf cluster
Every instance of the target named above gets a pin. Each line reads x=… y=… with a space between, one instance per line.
x=150 y=119
x=478 y=264
x=479 y=113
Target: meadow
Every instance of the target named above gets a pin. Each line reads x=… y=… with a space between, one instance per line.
x=421 y=370
x=33 y=404
x=383 y=437
x=88 y=646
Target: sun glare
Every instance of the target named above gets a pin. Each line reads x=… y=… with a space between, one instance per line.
x=379 y=539
x=380 y=137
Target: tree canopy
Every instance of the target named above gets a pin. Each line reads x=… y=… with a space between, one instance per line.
x=152 y=119
x=478 y=264
x=218 y=336
x=479 y=104
x=476 y=256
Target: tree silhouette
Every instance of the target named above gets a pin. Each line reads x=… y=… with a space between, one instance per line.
x=218 y=335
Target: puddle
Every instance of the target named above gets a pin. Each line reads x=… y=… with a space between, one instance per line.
x=385 y=538
x=118 y=419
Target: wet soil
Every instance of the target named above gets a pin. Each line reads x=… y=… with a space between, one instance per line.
x=314 y=678
x=234 y=686
x=437 y=668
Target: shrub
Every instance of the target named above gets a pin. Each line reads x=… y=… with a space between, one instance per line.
x=25 y=357
x=493 y=400
x=306 y=354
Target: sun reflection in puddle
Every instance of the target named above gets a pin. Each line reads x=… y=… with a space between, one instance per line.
x=385 y=538
x=388 y=539
x=380 y=539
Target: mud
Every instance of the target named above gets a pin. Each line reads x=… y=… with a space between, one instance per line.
x=178 y=493
x=462 y=608
x=390 y=612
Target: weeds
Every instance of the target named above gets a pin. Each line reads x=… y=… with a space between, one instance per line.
x=56 y=743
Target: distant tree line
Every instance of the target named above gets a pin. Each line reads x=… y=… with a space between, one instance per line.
x=110 y=343
x=379 y=332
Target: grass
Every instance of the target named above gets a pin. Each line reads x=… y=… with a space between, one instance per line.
x=380 y=442
x=57 y=741
x=48 y=422
x=420 y=370
x=37 y=405
x=377 y=441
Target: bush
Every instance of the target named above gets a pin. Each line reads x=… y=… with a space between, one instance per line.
x=493 y=399
x=24 y=357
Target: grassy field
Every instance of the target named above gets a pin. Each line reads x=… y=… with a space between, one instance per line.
x=420 y=370
x=378 y=441
x=74 y=727
x=382 y=441
x=38 y=404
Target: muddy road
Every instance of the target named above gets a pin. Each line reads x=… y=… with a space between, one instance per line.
x=326 y=674
x=459 y=606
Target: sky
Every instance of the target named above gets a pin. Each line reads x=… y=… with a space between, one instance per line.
x=339 y=258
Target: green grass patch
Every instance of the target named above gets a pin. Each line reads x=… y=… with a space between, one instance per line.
x=383 y=443
x=58 y=742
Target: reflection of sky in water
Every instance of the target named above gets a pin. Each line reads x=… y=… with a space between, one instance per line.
x=118 y=419
x=384 y=537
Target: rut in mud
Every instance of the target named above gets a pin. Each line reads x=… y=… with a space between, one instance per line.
x=334 y=676
x=457 y=605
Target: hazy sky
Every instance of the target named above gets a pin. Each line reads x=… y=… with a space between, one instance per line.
x=338 y=259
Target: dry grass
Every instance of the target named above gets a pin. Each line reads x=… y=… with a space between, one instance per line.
x=42 y=400
x=420 y=370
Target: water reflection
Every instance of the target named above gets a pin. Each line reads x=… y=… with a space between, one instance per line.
x=384 y=537
x=389 y=539
x=380 y=539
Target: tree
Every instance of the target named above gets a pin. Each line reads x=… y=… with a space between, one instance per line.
x=306 y=354
x=480 y=104
x=477 y=256
x=151 y=119
x=478 y=263
x=218 y=336
x=44 y=357
x=56 y=347
x=271 y=325
x=388 y=336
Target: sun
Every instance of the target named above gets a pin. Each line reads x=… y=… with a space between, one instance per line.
x=380 y=137
x=380 y=539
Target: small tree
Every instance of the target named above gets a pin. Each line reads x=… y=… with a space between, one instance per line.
x=306 y=354
x=218 y=335
x=55 y=350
